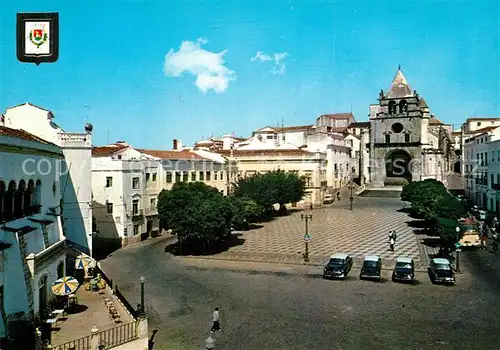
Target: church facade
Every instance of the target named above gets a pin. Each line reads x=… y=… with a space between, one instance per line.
x=406 y=141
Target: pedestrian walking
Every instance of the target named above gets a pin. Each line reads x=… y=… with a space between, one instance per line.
x=391 y=244
x=338 y=196
x=216 y=320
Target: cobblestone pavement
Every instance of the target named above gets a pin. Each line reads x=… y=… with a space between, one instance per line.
x=334 y=228
x=274 y=306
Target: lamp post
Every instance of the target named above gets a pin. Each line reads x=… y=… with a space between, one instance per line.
x=142 y=311
x=307 y=238
x=351 y=198
x=457 y=229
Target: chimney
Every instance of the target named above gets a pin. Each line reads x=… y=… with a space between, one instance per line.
x=175 y=144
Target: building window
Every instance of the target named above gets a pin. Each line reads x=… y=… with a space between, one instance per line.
x=215 y=175
x=60 y=270
x=193 y=176
x=148 y=175
x=2 y=300
x=169 y=177
x=403 y=106
x=492 y=179
x=135 y=183
x=397 y=127
x=209 y=173
x=392 y=107
x=407 y=137
x=202 y=176
x=109 y=181
x=222 y=175
x=152 y=202
x=136 y=230
x=185 y=177
x=154 y=177
x=387 y=138
x=109 y=208
x=135 y=207
x=478 y=123
x=177 y=176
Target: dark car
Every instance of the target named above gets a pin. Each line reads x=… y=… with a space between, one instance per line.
x=338 y=266
x=441 y=271
x=404 y=271
x=371 y=269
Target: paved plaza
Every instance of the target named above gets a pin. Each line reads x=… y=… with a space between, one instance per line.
x=333 y=228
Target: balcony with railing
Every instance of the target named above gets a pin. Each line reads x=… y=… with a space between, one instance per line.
x=72 y=139
x=151 y=211
x=137 y=214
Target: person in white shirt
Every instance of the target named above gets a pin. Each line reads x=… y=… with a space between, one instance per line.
x=215 y=319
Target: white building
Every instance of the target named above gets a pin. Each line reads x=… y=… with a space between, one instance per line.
x=127 y=181
x=125 y=188
x=482 y=169
x=32 y=239
x=75 y=167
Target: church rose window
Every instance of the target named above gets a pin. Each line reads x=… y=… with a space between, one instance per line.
x=397 y=127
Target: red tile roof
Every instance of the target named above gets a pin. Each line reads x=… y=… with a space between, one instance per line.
x=267 y=152
x=106 y=151
x=174 y=155
x=23 y=135
x=295 y=128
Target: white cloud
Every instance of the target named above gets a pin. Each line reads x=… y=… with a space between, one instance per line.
x=208 y=67
x=279 y=66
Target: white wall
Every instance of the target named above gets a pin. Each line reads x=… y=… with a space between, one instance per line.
x=41 y=162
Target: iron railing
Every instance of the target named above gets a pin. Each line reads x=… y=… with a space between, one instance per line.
x=125 y=302
x=116 y=336
x=78 y=344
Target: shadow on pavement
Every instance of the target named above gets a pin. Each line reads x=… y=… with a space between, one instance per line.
x=204 y=249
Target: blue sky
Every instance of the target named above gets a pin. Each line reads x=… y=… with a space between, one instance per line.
x=333 y=56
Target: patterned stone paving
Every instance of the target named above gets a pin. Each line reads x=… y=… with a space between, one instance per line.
x=334 y=228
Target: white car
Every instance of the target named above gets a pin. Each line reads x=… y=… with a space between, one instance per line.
x=328 y=199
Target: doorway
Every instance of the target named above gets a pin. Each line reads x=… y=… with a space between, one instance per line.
x=42 y=297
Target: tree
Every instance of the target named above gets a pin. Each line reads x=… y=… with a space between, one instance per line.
x=195 y=212
x=450 y=207
x=425 y=195
x=271 y=188
x=245 y=212
x=447 y=231
x=411 y=190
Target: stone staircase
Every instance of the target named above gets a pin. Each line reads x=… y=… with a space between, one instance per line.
x=382 y=192
x=27 y=273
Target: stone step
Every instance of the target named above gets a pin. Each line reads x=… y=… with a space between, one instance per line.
x=380 y=193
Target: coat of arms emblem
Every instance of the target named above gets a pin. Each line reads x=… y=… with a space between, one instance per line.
x=38 y=37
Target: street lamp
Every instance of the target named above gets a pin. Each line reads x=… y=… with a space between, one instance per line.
x=351 y=198
x=142 y=311
x=307 y=237
x=457 y=229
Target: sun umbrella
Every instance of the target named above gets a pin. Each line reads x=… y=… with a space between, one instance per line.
x=82 y=261
x=65 y=285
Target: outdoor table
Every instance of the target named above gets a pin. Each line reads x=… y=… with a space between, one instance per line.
x=57 y=312
x=51 y=321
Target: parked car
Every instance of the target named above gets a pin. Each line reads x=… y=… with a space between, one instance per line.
x=338 y=266
x=328 y=199
x=371 y=269
x=404 y=271
x=441 y=271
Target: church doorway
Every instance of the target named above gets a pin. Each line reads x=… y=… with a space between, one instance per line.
x=397 y=165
